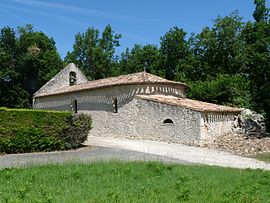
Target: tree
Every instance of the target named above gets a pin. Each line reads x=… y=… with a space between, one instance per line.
x=11 y=93
x=26 y=63
x=37 y=59
x=256 y=36
x=261 y=13
x=219 y=50
x=233 y=90
x=174 y=50
x=139 y=58
x=93 y=53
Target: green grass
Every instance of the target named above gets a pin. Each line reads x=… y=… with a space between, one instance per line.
x=263 y=157
x=133 y=182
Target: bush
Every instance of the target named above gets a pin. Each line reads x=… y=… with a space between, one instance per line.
x=24 y=130
x=77 y=130
x=30 y=140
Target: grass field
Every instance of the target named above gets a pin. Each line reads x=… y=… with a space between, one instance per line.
x=133 y=182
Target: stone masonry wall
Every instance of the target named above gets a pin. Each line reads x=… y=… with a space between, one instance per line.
x=141 y=119
x=61 y=79
x=102 y=99
x=214 y=125
x=136 y=118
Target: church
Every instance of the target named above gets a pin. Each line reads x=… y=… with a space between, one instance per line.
x=137 y=106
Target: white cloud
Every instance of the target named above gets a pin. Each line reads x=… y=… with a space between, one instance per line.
x=18 y=18
x=61 y=18
x=84 y=11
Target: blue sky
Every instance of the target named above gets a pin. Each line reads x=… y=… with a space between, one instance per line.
x=140 y=21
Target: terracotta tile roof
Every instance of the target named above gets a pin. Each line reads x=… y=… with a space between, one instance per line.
x=189 y=103
x=130 y=79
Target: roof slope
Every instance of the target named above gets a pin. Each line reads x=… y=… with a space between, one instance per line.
x=130 y=79
x=189 y=103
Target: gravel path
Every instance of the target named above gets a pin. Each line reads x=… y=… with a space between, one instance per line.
x=84 y=155
x=190 y=154
x=105 y=149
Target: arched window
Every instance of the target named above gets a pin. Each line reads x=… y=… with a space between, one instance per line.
x=74 y=106
x=72 y=78
x=168 y=121
x=115 y=105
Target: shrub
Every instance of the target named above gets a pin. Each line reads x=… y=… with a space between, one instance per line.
x=24 y=130
x=77 y=130
x=30 y=140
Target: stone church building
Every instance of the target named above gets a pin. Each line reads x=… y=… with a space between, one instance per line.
x=136 y=106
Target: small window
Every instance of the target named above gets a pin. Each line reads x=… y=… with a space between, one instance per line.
x=168 y=121
x=115 y=105
x=72 y=78
x=74 y=106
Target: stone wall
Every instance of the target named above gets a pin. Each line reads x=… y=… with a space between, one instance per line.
x=102 y=99
x=141 y=119
x=215 y=124
x=136 y=118
x=61 y=80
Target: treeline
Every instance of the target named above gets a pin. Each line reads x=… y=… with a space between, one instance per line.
x=228 y=63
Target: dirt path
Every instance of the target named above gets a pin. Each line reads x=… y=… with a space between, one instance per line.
x=190 y=154
x=84 y=155
x=105 y=149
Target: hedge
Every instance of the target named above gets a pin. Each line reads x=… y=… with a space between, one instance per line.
x=24 y=130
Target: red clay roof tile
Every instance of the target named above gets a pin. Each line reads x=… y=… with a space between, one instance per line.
x=130 y=79
x=189 y=103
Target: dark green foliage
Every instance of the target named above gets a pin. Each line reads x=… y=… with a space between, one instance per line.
x=30 y=140
x=77 y=130
x=139 y=58
x=35 y=130
x=38 y=60
x=27 y=61
x=219 y=49
x=257 y=40
x=11 y=91
x=174 y=50
x=133 y=182
x=225 y=89
x=261 y=11
x=93 y=53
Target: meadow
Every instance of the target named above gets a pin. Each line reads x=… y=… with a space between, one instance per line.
x=133 y=182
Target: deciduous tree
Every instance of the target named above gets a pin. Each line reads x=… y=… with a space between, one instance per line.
x=174 y=50
x=93 y=53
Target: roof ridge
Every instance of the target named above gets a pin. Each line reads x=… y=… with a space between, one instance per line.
x=144 y=76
